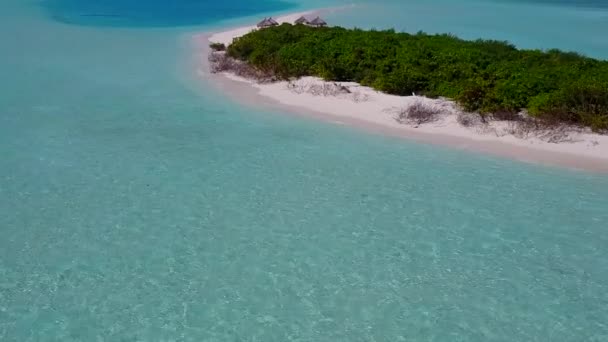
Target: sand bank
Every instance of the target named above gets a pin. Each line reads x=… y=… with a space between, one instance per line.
x=364 y=107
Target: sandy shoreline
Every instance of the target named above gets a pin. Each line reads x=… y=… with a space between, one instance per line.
x=365 y=108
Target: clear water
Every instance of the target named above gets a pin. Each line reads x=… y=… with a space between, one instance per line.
x=156 y=12
x=565 y=24
x=137 y=204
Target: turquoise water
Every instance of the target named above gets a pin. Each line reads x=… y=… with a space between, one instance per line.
x=565 y=24
x=156 y=12
x=139 y=204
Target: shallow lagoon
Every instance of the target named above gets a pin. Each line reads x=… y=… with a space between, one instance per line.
x=138 y=203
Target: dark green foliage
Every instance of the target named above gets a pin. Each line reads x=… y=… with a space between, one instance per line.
x=484 y=76
x=583 y=102
x=217 y=46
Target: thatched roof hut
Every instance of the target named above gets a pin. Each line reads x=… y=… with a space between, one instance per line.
x=267 y=22
x=263 y=23
x=317 y=22
x=301 y=21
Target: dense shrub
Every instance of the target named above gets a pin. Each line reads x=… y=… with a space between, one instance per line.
x=483 y=76
x=583 y=102
x=217 y=46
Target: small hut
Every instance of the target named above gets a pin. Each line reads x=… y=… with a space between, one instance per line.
x=317 y=22
x=267 y=22
x=301 y=21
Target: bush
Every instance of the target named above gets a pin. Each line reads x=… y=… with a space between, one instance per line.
x=217 y=46
x=220 y=62
x=582 y=103
x=418 y=113
x=546 y=131
x=467 y=119
x=472 y=96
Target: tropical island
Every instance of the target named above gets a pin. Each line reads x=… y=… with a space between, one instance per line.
x=483 y=91
x=484 y=76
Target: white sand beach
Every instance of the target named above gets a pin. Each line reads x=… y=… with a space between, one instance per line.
x=352 y=104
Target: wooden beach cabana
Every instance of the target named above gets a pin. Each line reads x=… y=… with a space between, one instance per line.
x=267 y=22
x=301 y=21
x=317 y=22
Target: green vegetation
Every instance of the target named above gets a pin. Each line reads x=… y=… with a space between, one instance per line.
x=485 y=76
x=217 y=46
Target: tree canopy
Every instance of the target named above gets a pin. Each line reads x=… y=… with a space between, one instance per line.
x=484 y=76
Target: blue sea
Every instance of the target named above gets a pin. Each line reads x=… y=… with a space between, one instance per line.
x=139 y=203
